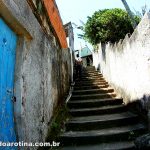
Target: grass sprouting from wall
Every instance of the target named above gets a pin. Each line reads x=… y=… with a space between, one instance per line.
x=57 y=126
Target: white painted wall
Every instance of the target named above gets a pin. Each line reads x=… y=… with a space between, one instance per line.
x=126 y=65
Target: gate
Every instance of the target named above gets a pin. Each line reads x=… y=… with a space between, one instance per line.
x=8 y=41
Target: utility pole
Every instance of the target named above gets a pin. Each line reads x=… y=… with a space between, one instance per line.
x=130 y=13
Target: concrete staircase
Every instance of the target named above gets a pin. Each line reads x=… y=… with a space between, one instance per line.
x=100 y=120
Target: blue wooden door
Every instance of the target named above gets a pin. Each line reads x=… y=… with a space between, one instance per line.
x=8 y=40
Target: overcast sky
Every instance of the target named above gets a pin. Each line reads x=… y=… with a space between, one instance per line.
x=76 y=10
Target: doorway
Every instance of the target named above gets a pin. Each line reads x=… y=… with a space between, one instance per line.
x=8 y=42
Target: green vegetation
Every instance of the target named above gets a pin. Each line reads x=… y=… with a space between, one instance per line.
x=57 y=126
x=108 y=25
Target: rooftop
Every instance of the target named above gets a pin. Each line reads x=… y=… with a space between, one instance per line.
x=85 y=52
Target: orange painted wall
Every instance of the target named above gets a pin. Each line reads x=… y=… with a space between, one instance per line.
x=56 y=22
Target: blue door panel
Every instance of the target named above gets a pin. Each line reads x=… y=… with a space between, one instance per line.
x=8 y=40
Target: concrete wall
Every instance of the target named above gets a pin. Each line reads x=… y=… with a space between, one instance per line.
x=42 y=71
x=70 y=39
x=69 y=33
x=126 y=65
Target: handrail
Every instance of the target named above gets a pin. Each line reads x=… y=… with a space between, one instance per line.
x=70 y=92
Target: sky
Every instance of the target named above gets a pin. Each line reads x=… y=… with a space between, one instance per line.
x=78 y=10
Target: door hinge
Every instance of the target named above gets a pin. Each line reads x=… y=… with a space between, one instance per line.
x=13 y=98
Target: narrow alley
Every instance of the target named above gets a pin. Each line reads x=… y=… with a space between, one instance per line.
x=74 y=75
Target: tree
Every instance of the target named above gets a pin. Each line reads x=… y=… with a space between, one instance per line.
x=107 y=25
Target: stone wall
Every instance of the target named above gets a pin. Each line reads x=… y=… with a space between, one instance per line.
x=42 y=71
x=126 y=65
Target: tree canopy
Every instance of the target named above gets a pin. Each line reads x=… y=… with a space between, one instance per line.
x=108 y=25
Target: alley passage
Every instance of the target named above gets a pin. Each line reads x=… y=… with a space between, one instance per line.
x=99 y=119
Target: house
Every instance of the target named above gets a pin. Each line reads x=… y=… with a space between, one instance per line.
x=86 y=56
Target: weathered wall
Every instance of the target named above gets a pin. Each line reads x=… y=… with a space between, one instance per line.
x=42 y=73
x=48 y=15
x=70 y=39
x=69 y=33
x=126 y=65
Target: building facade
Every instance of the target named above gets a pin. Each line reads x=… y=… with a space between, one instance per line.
x=35 y=61
x=86 y=56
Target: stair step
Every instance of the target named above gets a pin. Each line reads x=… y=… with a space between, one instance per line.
x=94 y=102
x=91 y=80
x=92 y=73
x=93 y=96
x=103 y=135
x=87 y=69
x=90 y=70
x=92 y=76
x=98 y=110
x=90 y=83
x=100 y=85
x=124 y=145
x=92 y=91
x=91 y=87
x=90 y=67
x=101 y=121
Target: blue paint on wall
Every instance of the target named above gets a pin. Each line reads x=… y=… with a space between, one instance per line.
x=8 y=40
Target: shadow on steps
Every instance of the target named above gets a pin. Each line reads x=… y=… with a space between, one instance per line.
x=99 y=119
